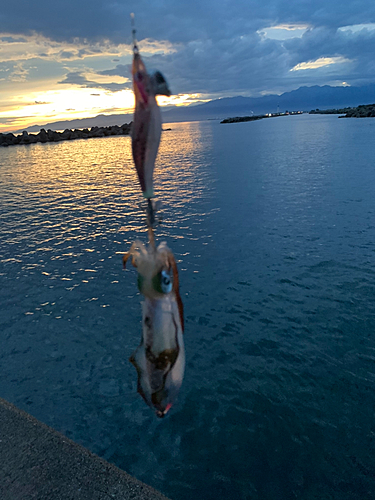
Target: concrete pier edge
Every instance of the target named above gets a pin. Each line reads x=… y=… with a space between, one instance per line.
x=39 y=463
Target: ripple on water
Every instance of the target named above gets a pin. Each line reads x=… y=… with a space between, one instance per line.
x=277 y=277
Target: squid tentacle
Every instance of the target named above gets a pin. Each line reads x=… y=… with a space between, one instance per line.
x=176 y=287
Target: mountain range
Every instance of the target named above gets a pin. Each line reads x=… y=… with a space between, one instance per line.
x=302 y=99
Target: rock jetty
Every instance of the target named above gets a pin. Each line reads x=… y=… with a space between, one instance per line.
x=68 y=135
x=238 y=119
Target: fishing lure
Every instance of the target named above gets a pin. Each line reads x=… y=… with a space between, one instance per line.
x=147 y=122
x=160 y=357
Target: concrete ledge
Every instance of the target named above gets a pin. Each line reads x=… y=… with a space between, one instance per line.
x=39 y=463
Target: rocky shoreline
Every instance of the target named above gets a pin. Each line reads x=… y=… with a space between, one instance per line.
x=362 y=111
x=68 y=135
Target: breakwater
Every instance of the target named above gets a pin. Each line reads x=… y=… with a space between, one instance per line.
x=44 y=136
x=238 y=119
x=38 y=462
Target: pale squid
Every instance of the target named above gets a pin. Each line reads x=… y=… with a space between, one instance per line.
x=160 y=357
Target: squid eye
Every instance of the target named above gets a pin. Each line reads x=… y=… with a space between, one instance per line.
x=166 y=284
x=162 y=282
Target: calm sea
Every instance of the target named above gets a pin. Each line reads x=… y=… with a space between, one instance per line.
x=273 y=226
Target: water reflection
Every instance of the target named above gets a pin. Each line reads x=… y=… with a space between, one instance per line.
x=84 y=189
x=277 y=287
x=182 y=176
x=68 y=211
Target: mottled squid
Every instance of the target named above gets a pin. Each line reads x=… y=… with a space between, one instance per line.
x=160 y=357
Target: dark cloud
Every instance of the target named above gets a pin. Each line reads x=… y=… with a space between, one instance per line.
x=67 y=55
x=12 y=39
x=5 y=120
x=120 y=70
x=251 y=64
x=357 y=47
x=218 y=49
x=175 y=21
x=79 y=79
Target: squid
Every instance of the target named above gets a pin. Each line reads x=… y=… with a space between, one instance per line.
x=147 y=122
x=160 y=357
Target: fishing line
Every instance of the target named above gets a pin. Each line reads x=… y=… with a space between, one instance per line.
x=134 y=32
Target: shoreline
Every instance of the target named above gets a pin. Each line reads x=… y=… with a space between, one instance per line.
x=362 y=111
x=44 y=136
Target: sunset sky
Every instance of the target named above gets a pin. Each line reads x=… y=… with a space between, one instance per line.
x=66 y=60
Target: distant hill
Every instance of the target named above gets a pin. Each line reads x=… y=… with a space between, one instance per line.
x=302 y=99
x=95 y=121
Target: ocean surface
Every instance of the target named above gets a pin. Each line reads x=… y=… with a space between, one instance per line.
x=273 y=226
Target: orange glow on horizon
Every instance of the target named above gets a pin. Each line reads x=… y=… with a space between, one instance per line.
x=180 y=100
x=40 y=108
x=65 y=104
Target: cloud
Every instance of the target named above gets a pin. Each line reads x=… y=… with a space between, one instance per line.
x=354 y=28
x=78 y=78
x=38 y=46
x=12 y=39
x=320 y=63
x=250 y=64
x=245 y=63
x=120 y=70
x=357 y=47
x=178 y=22
x=13 y=120
x=283 y=31
x=18 y=74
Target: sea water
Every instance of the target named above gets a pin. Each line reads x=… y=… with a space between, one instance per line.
x=273 y=226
